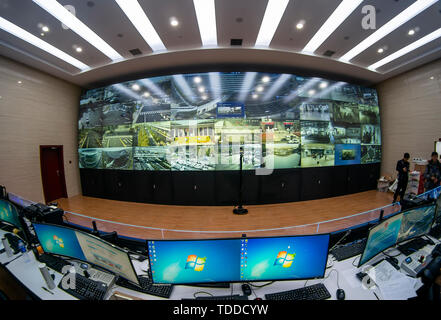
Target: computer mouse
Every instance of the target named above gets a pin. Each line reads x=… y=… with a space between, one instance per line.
x=246 y=289
x=340 y=294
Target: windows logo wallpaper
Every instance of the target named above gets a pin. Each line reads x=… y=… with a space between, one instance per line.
x=284 y=258
x=58 y=240
x=195 y=261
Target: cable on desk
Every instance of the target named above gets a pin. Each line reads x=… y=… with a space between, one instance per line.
x=260 y=286
x=359 y=257
x=204 y=292
x=5 y=264
x=338 y=284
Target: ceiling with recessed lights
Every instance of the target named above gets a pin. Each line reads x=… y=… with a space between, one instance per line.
x=98 y=41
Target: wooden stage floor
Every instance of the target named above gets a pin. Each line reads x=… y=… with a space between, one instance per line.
x=152 y=221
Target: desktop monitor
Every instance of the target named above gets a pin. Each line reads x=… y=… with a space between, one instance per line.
x=381 y=237
x=194 y=261
x=416 y=222
x=284 y=258
x=82 y=246
x=9 y=214
x=438 y=209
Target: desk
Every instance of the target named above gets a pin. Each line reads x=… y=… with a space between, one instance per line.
x=30 y=277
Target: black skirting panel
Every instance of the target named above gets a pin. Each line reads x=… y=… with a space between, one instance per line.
x=222 y=187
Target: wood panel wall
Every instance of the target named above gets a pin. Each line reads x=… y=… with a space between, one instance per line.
x=41 y=110
x=410 y=107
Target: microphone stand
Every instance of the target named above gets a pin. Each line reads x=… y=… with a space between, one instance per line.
x=240 y=209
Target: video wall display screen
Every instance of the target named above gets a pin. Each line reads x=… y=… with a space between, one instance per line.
x=201 y=121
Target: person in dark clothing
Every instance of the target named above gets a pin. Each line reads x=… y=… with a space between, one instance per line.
x=403 y=177
x=432 y=175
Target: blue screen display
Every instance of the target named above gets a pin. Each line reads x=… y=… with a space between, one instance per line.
x=8 y=213
x=59 y=240
x=195 y=261
x=301 y=257
x=382 y=237
x=416 y=222
x=346 y=154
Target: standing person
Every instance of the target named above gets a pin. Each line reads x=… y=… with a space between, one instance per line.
x=432 y=174
x=403 y=177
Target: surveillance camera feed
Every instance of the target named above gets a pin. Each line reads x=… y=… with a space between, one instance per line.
x=199 y=122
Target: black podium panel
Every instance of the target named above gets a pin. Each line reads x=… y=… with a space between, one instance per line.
x=280 y=186
x=222 y=187
x=162 y=187
x=227 y=187
x=142 y=182
x=317 y=183
x=369 y=175
x=92 y=182
x=193 y=188
x=339 y=176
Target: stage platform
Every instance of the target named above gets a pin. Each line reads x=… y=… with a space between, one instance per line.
x=152 y=221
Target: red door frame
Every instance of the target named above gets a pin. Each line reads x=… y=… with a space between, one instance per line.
x=61 y=165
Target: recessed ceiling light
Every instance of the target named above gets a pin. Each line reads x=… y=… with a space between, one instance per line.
x=137 y=16
x=197 y=79
x=390 y=26
x=323 y=84
x=413 y=46
x=174 y=22
x=339 y=15
x=204 y=97
x=265 y=79
x=78 y=49
x=411 y=32
x=300 y=25
x=201 y=89
x=30 y=38
x=155 y=100
x=72 y=22
x=255 y=95
x=381 y=50
x=19 y=82
x=259 y=88
x=146 y=94
x=206 y=17
x=271 y=19
x=432 y=77
x=45 y=29
x=311 y=92
x=136 y=87
x=42 y=34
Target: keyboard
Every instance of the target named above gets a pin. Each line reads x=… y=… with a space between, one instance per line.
x=147 y=286
x=348 y=251
x=230 y=297
x=436 y=231
x=313 y=292
x=53 y=262
x=412 y=246
x=86 y=289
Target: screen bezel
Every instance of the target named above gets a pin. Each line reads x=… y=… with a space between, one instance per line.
x=242 y=238
x=18 y=216
x=96 y=238
x=396 y=242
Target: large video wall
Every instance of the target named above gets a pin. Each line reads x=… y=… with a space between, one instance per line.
x=200 y=121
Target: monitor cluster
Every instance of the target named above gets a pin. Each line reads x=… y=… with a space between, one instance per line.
x=225 y=260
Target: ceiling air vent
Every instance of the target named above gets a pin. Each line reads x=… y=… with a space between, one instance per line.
x=236 y=42
x=135 y=52
x=328 y=53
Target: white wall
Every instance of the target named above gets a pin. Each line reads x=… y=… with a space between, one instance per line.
x=42 y=110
